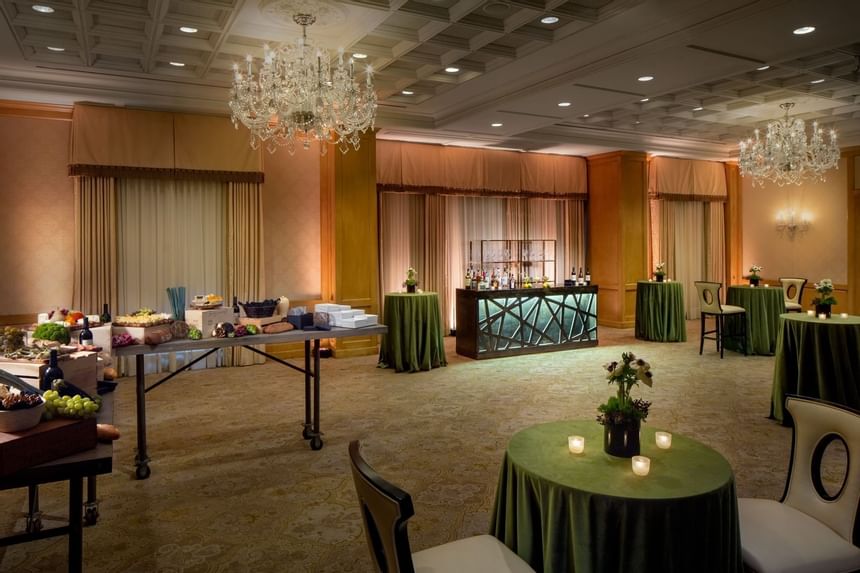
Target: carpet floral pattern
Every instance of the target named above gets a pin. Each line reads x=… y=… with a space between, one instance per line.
x=234 y=487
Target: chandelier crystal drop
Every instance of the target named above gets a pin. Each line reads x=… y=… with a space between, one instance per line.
x=296 y=95
x=785 y=155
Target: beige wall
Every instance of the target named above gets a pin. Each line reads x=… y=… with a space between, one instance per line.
x=37 y=216
x=820 y=252
x=291 y=216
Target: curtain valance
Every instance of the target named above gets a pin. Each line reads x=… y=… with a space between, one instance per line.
x=403 y=166
x=686 y=179
x=111 y=141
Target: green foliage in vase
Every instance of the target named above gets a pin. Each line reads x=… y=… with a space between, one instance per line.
x=825 y=292
x=622 y=408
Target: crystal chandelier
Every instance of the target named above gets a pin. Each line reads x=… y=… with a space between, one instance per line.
x=785 y=155
x=297 y=96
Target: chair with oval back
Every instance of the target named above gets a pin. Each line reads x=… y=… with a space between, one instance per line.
x=809 y=530
x=709 y=300
x=793 y=288
x=385 y=509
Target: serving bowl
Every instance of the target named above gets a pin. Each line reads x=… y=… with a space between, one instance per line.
x=21 y=419
x=261 y=309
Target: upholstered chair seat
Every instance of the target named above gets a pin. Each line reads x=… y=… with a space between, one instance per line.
x=793 y=288
x=709 y=301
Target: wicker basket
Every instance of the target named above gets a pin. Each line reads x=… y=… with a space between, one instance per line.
x=262 y=309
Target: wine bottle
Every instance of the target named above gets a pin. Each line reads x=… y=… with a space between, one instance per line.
x=587 y=276
x=573 y=275
x=581 y=276
x=105 y=316
x=52 y=372
x=85 y=338
x=235 y=309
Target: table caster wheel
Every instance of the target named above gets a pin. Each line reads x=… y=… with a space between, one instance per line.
x=307 y=433
x=142 y=471
x=316 y=443
x=91 y=514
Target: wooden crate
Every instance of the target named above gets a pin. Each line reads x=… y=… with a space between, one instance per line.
x=45 y=442
x=79 y=368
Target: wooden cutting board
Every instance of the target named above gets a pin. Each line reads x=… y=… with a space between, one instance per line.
x=45 y=442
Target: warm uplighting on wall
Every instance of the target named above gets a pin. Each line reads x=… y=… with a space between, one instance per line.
x=791 y=222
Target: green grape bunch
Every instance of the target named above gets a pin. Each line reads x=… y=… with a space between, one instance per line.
x=11 y=339
x=57 y=406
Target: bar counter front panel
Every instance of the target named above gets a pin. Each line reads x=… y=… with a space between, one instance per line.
x=492 y=323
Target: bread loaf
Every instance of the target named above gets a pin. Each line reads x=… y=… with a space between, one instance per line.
x=276 y=327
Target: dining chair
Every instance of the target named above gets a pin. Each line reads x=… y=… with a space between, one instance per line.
x=793 y=288
x=385 y=509
x=809 y=530
x=709 y=300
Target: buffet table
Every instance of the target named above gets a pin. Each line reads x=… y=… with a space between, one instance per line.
x=816 y=358
x=415 y=339
x=311 y=370
x=763 y=306
x=660 y=311
x=588 y=512
x=507 y=322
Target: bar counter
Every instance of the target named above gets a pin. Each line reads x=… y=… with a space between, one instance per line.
x=492 y=323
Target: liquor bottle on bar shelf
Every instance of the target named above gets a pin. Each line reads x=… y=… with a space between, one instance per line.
x=52 y=372
x=105 y=316
x=86 y=336
x=505 y=282
x=467 y=280
x=587 y=276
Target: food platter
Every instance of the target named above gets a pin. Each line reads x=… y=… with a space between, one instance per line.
x=206 y=305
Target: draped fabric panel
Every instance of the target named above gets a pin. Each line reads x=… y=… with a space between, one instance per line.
x=103 y=135
x=210 y=143
x=244 y=255
x=686 y=180
x=95 y=244
x=169 y=234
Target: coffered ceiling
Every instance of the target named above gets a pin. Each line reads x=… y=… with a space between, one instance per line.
x=707 y=58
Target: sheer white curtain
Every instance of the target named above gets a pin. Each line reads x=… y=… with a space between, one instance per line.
x=401 y=237
x=170 y=233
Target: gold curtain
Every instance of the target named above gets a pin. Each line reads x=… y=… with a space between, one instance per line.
x=245 y=278
x=435 y=259
x=95 y=244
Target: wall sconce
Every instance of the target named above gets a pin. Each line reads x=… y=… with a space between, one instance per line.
x=791 y=222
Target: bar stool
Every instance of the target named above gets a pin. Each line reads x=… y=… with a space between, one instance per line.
x=793 y=288
x=709 y=299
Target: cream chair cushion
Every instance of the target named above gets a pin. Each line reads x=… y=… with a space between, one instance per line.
x=777 y=538
x=731 y=309
x=793 y=306
x=479 y=554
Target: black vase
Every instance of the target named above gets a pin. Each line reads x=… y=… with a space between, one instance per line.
x=659 y=278
x=822 y=309
x=753 y=282
x=410 y=288
x=622 y=440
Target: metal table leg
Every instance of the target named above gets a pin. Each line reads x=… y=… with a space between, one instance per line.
x=34 y=516
x=76 y=526
x=141 y=459
x=316 y=441
x=307 y=432
x=91 y=506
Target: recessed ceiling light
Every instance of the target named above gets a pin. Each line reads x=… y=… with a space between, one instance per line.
x=496 y=124
x=818 y=81
x=803 y=30
x=177 y=64
x=698 y=108
x=763 y=68
x=359 y=56
x=549 y=20
x=407 y=92
x=637 y=122
x=645 y=78
x=56 y=49
x=452 y=70
x=645 y=99
x=564 y=104
x=188 y=29
x=43 y=9
x=586 y=115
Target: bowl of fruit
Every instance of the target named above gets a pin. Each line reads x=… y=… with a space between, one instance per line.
x=19 y=410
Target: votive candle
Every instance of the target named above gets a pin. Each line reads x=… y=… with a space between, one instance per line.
x=752 y=286
x=767 y=285
x=844 y=315
x=664 y=440
x=822 y=316
x=576 y=444
x=810 y=312
x=641 y=465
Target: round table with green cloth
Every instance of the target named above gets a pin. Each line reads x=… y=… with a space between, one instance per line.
x=660 y=311
x=816 y=358
x=589 y=513
x=414 y=341
x=763 y=304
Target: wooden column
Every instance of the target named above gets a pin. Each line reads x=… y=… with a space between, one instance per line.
x=617 y=233
x=734 y=225
x=349 y=244
x=852 y=156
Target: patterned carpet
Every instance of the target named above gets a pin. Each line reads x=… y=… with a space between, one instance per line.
x=234 y=488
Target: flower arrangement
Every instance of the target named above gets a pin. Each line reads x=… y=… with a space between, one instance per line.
x=627 y=373
x=754 y=271
x=411 y=279
x=825 y=292
x=660 y=269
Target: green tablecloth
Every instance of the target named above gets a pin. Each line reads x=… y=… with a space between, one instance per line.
x=414 y=341
x=816 y=358
x=590 y=513
x=660 y=311
x=763 y=305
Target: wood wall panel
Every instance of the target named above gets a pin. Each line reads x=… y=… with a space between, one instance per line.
x=734 y=226
x=617 y=238
x=853 y=206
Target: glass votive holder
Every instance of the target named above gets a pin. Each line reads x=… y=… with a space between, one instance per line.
x=822 y=316
x=668 y=280
x=576 y=444
x=843 y=315
x=766 y=285
x=752 y=286
x=810 y=313
x=641 y=465
x=664 y=440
